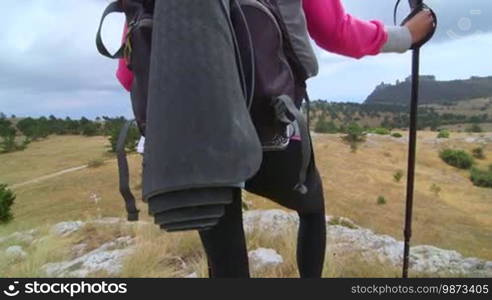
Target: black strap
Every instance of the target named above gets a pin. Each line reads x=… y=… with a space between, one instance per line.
x=308 y=109
x=112 y=7
x=284 y=105
x=245 y=82
x=124 y=173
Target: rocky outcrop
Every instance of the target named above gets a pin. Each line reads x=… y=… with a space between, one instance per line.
x=66 y=228
x=263 y=258
x=344 y=237
x=107 y=259
x=15 y=253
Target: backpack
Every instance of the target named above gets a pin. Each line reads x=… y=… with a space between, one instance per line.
x=274 y=56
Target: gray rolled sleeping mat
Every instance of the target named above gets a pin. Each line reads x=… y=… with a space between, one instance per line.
x=200 y=141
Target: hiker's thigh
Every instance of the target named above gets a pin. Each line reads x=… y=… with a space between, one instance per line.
x=278 y=175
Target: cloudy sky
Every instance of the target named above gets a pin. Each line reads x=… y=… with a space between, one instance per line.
x=49 y=64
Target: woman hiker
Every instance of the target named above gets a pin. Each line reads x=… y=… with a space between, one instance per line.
x=335 y=31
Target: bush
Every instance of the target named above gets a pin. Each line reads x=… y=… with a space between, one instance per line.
x=443 y=134
x=435 y=189
x=478 y=153
x=131 y=140
x=381 y=131
x=90 y=129
x=457 y=158
x=381 y=200
x=342 y=222
x=398 y=175
x=397 y=135
x=323 y=126
x=7 y=198
x=354 y=136
x=481 y=178
x=474 y=128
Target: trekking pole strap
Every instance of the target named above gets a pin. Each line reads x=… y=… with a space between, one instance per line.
x=112 y=7
x=417 y=6
x=124 y=174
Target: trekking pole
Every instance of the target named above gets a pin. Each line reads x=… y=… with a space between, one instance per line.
x=416 y=6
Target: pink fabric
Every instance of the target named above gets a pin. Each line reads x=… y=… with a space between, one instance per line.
x=336 y=31
x=124 y=75
x=331 y=28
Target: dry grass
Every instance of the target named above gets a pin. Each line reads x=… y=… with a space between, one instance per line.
x=48 y=156
x=42 y=251
x=459 y=218
x=159 y=254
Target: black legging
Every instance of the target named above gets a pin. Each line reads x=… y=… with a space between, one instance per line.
x=225 y=243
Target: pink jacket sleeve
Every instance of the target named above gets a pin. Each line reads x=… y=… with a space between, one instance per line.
x=336 y=31
x=124 y=75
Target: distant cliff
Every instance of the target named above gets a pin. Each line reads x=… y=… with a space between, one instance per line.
x=432 y=91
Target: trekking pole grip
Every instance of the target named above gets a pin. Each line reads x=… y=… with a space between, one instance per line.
x=417 y=6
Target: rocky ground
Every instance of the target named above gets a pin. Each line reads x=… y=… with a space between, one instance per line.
x=344 y=238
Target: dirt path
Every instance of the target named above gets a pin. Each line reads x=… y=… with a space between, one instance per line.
x=49 y=176
x=53 y=175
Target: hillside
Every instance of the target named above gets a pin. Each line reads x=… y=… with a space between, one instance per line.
x=353 y=183
x=432 y=91
x=459 y=115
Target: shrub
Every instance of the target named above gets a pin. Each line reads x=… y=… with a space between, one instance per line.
x=342 y=222
x=474 y=128
x=131 y=140
x=323 y=126
x=95 y=163
x=7 y=198
x=457 y=158
x=381 y=131
x=381 y=200
x=397 y=135
x=354 y=136
x=90 y=129
x=478 y=153
x=435 y=189
x=398 y=175
x=481 y=178
x=443 y=134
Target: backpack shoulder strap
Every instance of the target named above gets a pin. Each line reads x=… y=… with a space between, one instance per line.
x=124 y=174
x=115 y=6
x=287 y=111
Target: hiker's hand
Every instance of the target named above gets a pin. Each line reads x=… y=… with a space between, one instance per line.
x=420 y=25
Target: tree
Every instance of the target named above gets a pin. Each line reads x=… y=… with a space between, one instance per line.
x=131 y=140
x=323 y=126
x=89 y=129
x=474 y=128
x=7 y=198
x=354 y=136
